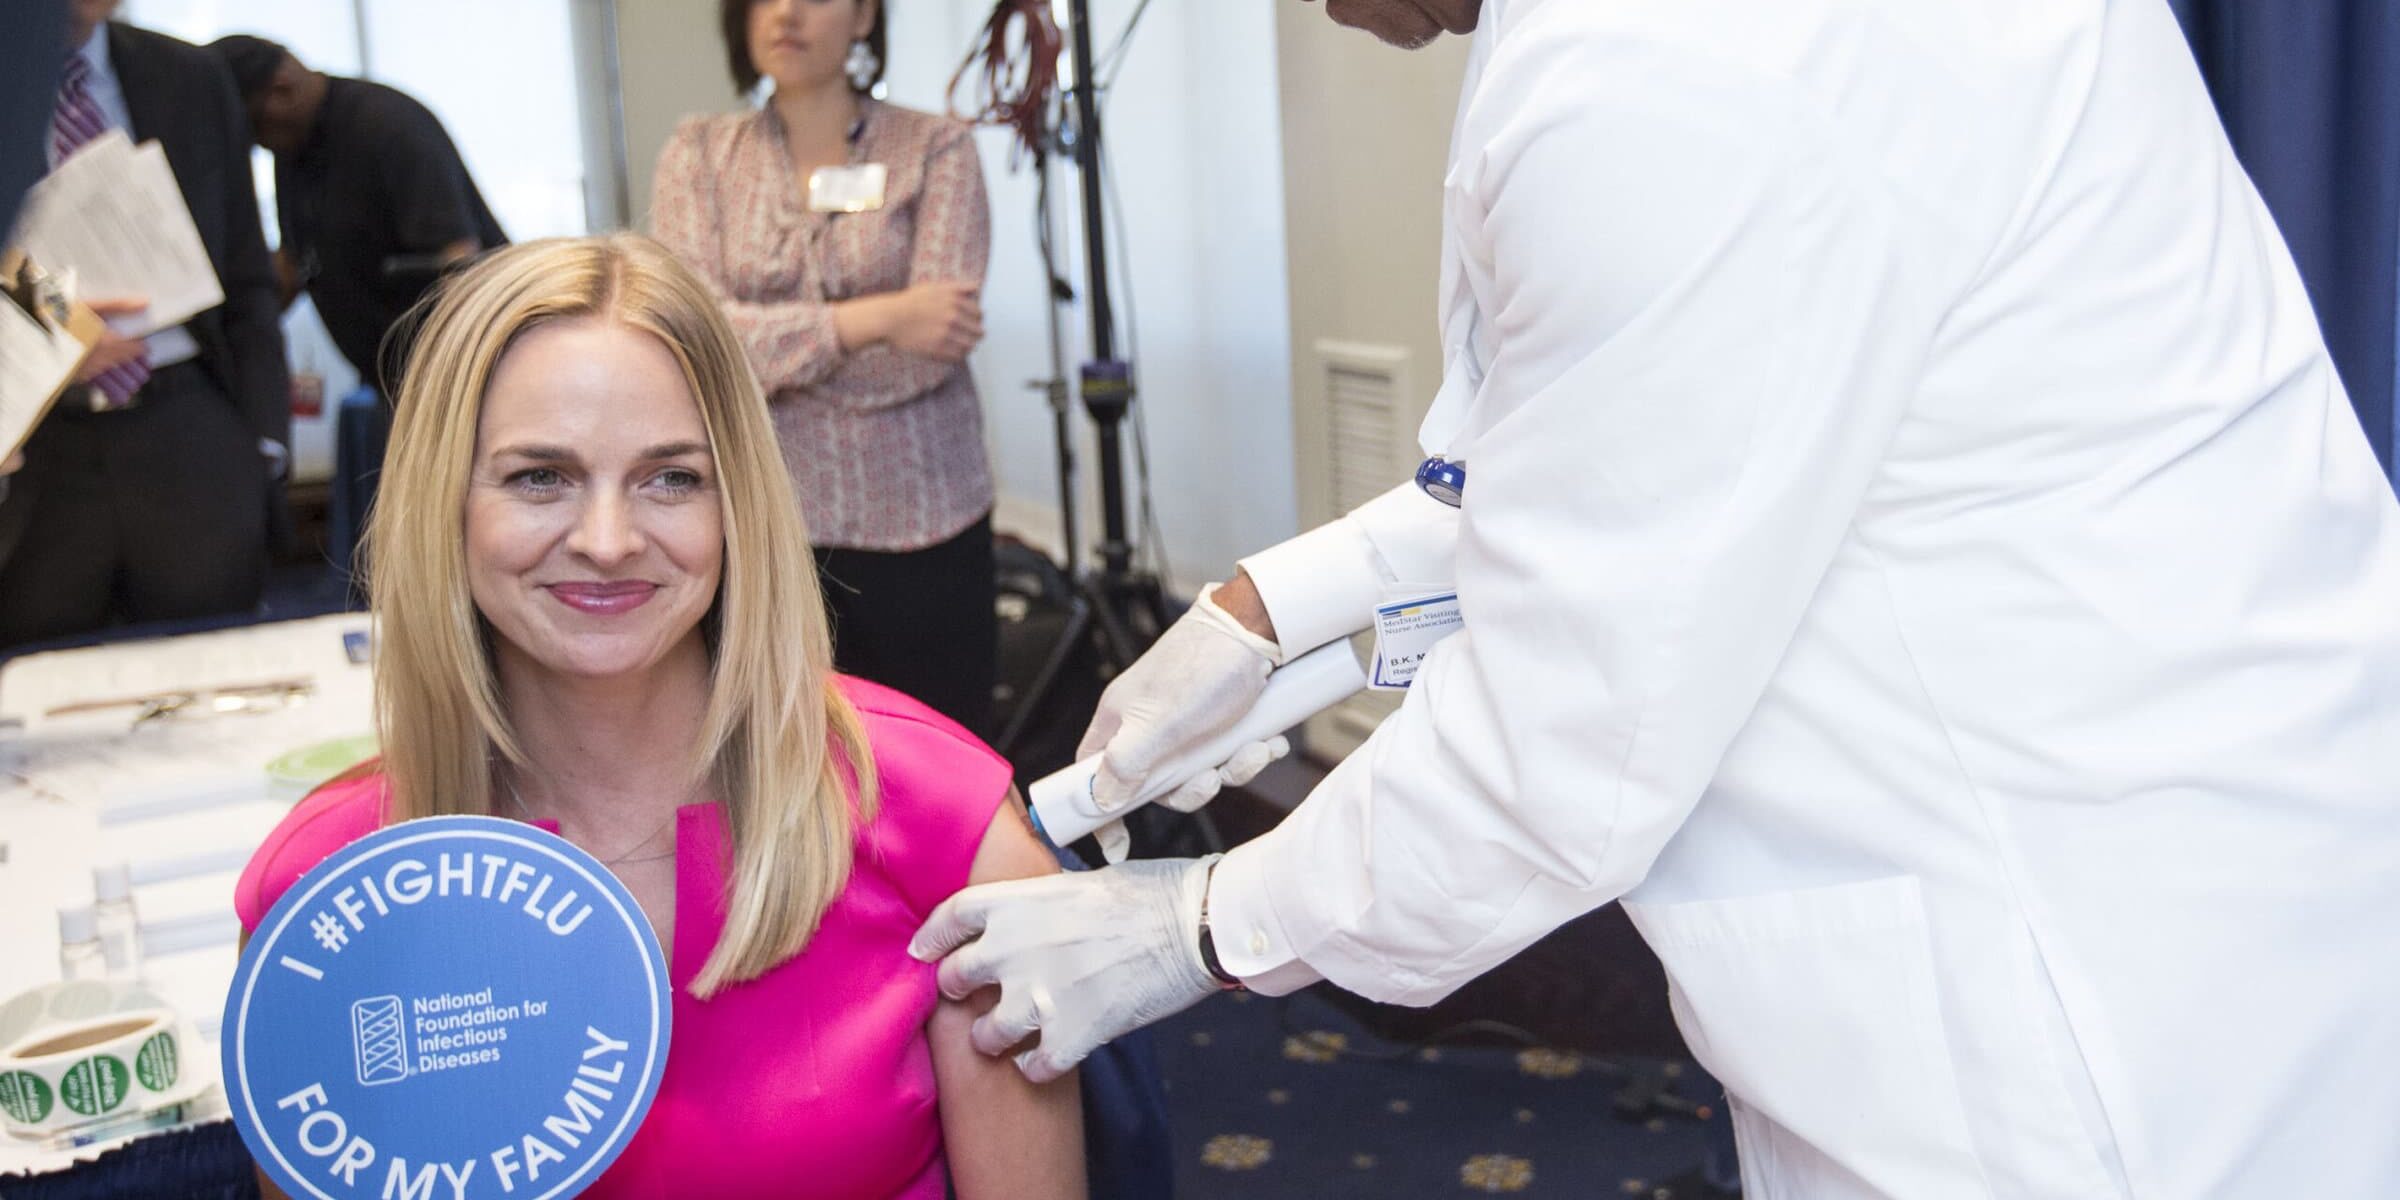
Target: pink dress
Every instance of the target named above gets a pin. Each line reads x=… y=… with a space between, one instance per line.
x=815 y=1079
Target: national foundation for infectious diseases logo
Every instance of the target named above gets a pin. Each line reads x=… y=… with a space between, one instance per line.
x=380 y=1035
x=459 y=1007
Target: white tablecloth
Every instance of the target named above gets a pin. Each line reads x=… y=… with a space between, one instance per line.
x=184 y=800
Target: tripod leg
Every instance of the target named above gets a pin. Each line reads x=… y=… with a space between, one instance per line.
x=1118 y=644
x=1070 y=636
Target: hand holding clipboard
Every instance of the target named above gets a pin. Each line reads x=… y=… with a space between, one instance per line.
x=45 y=335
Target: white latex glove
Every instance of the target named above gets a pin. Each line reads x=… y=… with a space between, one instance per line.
x=1080 y=958
x=1204 y=673
x=1246 y=763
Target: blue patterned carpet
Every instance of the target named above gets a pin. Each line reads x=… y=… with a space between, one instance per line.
x=1292 y=1098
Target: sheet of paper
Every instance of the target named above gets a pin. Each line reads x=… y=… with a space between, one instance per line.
x=35 y=361
x=114 y=215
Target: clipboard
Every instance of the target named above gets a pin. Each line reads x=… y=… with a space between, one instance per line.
x=58 y=330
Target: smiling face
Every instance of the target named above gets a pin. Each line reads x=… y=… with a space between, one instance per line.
x=595 y=540
x=803 y=44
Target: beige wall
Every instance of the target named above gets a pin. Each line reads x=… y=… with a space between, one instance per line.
x=669 y=63
x=1366 y=132
x=1366 y=129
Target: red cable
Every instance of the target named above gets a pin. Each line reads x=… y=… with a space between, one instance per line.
x=1018 y=52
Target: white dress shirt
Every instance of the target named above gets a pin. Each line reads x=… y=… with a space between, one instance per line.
x=173 y=344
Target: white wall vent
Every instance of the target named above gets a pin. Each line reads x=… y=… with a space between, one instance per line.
x=1371 y=414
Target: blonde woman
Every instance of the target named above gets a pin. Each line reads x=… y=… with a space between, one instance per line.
x=597 y=613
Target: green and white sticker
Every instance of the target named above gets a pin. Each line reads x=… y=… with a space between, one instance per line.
x=95 y=1085
x=156 y=1064
x=23 y=1096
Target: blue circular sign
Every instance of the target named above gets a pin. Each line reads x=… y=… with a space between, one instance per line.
x=451 y=1008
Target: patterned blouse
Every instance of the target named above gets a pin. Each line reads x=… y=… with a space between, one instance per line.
x=886 y=447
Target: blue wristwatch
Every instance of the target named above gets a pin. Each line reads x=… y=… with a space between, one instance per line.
x=1443 y=480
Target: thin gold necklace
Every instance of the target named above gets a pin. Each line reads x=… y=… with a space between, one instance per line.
x=624 y=859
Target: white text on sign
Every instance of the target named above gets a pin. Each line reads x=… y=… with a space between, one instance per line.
x=324 y=1135
x=491 y=877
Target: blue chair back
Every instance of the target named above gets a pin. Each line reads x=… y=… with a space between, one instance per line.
x=362 y=426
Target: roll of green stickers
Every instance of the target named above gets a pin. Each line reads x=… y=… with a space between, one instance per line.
x=57 y=1073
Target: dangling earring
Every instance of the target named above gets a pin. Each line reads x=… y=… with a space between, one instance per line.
x=862 y=65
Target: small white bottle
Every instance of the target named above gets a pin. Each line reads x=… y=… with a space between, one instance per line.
x=119 y=927
x=79 y=955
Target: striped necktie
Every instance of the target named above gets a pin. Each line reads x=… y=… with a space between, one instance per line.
x=78 y=120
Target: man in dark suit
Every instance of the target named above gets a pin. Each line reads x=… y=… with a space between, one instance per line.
x=146 y=492
x=374 y=200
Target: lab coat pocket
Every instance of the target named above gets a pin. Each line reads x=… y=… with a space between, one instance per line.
x=1818 y=1010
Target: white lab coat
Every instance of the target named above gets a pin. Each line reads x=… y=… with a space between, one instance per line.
x=1917 y=552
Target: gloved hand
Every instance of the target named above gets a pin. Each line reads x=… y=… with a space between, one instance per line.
x=1204 y=673
x=1080 y=958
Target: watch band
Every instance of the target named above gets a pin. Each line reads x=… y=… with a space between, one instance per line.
x=1226 y=980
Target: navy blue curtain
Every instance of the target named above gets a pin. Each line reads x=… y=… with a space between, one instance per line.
x=2310 y=93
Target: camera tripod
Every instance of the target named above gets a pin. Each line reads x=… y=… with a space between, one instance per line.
x=1111 y=607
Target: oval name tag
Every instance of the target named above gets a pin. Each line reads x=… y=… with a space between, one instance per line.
x=447 y=1009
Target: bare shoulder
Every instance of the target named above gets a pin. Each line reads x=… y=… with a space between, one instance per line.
x=1010 y=848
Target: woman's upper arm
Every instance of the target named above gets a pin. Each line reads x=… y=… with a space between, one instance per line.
x=953 y=238
x=1004 y=1136
x=1011 y=849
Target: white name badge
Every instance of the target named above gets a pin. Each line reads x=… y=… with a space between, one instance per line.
x=1405 y=632
x=846 y=189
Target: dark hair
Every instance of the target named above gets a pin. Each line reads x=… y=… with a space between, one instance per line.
x=253 y=61
x=733 y=21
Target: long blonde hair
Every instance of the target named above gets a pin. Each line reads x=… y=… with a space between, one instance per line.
x=779 y=740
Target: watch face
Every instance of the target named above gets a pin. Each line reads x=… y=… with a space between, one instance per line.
x=1443 y=480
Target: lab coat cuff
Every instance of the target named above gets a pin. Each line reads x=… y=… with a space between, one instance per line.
x=1285 y=904
x=1326 y=583
x=1317 y=587
x=1250 y=940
